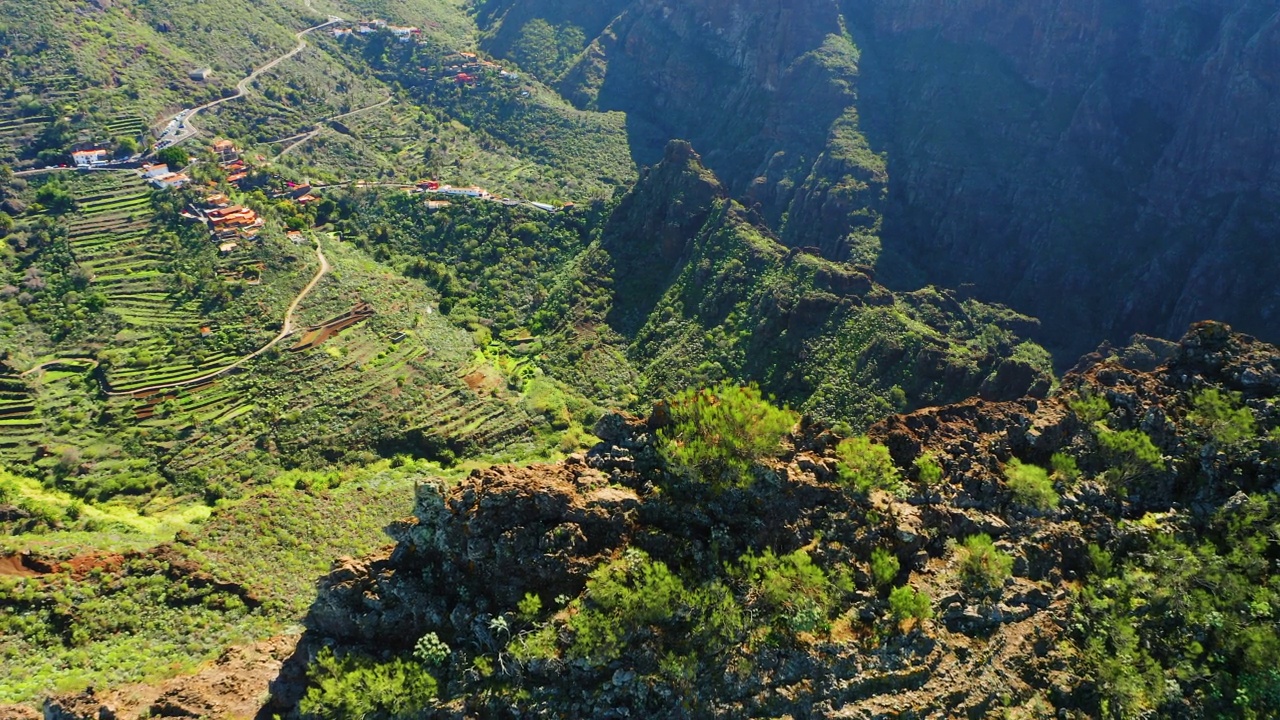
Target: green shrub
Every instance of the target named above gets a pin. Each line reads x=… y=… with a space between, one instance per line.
x=928 y=472
x=1090 y=408
x=637 y=597
x=884 y=567
x=1130 y=453
x=354 y=686
x=790 y=588
x=1031 y=485
x=1222 y=417
x=907 y=603
x=1064 y=468
x=431 y=650
x=865 y=466
x=529 y=608
x=720 y=433
x=56 y=199
x=1100 y=561
x=984 y=569
x=175 y=157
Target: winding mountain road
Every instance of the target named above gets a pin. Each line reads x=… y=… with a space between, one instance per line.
x=310 y=135
x=286 y=330
x=183 y=119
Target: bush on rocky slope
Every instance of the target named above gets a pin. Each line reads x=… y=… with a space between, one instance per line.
x=762 y=600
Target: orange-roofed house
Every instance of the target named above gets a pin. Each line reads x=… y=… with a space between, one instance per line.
x=170 y=181
x=89 y=158
x=225 y=150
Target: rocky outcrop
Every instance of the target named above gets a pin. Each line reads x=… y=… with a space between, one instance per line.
x=474 y=551
x=232 y=686
x=19 y=712
x=503 y=533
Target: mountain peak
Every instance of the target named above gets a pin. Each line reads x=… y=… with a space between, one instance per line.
x=680 y=151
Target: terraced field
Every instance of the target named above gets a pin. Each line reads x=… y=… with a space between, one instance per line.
x=366 y=387
x=346 y=394
x=113 y=239
x=17 y=131
x=20 y=425
x=125 y=125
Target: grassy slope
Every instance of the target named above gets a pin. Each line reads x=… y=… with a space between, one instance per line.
x=143 y=620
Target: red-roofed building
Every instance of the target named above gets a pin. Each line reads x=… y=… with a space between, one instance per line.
x=225 y=150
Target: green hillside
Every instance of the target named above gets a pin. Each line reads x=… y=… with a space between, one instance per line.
x=210 y=391
x=340 y=109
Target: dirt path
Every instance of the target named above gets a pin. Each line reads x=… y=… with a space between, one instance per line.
x=308 y=136
x=286 y=329
x=60 y=361
x=242 y=87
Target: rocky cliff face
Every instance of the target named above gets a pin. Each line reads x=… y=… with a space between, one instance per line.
x=1120 y=154
x=695 y=288
x=477 y=550
x=1115 y=153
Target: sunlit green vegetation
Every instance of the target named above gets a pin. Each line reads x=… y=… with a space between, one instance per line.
x=1187 y=614
x=907 y=603
x=146 y=617
x=718 y=434
x=351 y=686
x=866 y=466
x=884 y=567
x=1031 y=485
x=983 y=567
x=1131 y=454
x=1222 y=417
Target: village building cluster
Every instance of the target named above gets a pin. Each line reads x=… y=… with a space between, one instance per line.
x=230 y=161
x=463 y=68
x=228 y=223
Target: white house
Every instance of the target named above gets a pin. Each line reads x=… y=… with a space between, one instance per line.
x=473 y=191
x=89 y=158
x=170 y=180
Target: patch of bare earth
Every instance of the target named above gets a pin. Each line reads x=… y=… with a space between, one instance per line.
x=236 y=685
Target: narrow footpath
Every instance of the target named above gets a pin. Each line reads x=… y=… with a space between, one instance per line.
x=286 y=330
